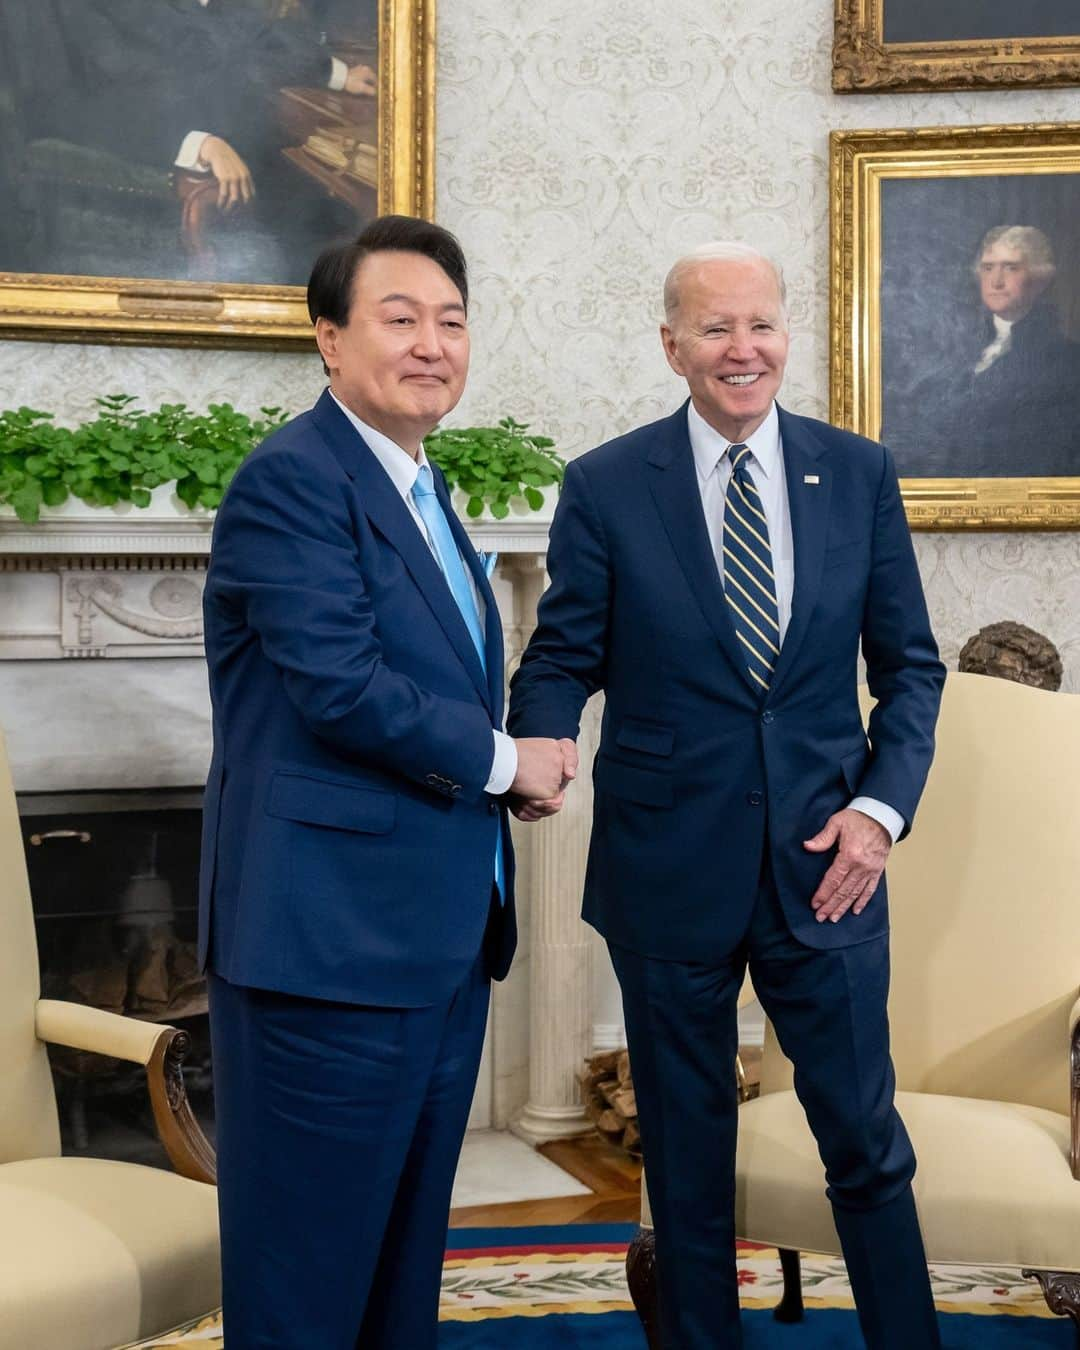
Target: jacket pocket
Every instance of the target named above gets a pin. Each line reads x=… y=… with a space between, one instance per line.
x=317 y=801
x=650 y=738
x=633 y=784
x=852 y=766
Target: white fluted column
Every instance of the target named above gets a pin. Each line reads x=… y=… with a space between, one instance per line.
x=560 y=952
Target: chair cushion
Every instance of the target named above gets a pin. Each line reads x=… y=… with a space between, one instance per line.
x=993 y=1184
x=96 y=1254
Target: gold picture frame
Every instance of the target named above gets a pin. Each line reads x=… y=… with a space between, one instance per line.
x=109 y=309
x=863 y=61
x=941 y=162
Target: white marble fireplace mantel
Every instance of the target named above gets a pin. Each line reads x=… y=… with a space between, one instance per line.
x=126 y=581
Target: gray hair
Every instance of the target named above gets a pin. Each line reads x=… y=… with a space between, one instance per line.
x=719 y=250
x=1032 y=243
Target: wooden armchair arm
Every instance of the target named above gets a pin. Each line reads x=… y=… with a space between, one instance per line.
x=1074 y=1088
x=162 y=1050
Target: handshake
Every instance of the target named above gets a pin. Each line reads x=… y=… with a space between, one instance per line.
x=545 y=770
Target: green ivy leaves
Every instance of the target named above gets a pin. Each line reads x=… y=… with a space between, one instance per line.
x=124 y=453
x=493 y=464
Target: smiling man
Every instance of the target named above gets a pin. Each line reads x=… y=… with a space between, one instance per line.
x=714 y=574
x=357 y=878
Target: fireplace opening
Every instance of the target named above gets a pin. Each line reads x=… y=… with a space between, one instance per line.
x=114 y=885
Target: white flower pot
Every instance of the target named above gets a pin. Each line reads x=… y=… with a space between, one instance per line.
x=520 y=511
x=165 y=505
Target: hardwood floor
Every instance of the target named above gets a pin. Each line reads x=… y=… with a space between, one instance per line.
x=614 y=1179
x=612 y=1176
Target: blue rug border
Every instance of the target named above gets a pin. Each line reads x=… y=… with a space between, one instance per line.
x=823 y=1329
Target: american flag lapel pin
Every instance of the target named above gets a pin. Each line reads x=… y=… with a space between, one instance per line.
x=812 y=478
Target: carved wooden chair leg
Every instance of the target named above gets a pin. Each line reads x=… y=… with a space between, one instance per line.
x=1061 y=1289
x=641 y=1278
x=790 y=1307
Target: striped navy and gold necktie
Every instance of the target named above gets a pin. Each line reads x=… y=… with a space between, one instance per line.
x=749 y=583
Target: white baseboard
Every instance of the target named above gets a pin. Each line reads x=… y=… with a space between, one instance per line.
x=752 y=1024
x=608 y=1036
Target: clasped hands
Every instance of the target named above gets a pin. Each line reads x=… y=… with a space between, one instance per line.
x=545 y=769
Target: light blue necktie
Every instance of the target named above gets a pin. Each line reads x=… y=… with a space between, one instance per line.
x=457 y=578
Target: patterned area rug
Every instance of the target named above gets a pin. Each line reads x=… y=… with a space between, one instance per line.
x=564 y=1289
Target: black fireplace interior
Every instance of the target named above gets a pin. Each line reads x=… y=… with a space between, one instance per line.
x=114 y=883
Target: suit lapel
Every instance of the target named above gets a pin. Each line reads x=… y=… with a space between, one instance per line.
x=674 y=487
x=809 y=490
x=386 y=511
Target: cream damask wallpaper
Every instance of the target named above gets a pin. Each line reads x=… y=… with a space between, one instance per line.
x=580 y=148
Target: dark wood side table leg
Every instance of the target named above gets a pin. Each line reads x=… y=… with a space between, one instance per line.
x=641 y=1278
x=790 y=1307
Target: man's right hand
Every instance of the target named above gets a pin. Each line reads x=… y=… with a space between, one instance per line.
x=542 y=771
x=235 y=184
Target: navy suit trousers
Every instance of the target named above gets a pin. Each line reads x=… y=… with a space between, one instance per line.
x=828 y=1008
x=338 y=1133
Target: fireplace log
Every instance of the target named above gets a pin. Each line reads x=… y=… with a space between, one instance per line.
x=161 y=1049
x=607 y=1090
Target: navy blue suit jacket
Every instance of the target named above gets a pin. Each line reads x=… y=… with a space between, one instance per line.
x=348 y=843
x=695 y=774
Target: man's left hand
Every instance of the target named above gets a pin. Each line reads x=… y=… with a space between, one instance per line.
x=862 y=850
x=361 y=80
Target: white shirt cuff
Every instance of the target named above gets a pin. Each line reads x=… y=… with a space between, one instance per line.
x=884 y=814
x=503 y=766
x=339 y=72
x=188 y=158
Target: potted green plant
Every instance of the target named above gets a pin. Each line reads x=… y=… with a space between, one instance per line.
x=126 y=460
x=497 y=471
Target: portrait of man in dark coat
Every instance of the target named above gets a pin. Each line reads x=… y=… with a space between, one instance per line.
x=988 y=387
x=221 y=140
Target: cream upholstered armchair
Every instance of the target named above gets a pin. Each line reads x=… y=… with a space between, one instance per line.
x=93 y=1254
x=984 y=902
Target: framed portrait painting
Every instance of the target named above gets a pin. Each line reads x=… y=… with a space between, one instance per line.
x=903 y=45
x=956 y=317
x=170 y=169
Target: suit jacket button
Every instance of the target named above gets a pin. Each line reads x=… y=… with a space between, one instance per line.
x=493 y=808
x=432 y=780
x=755 y=798
x=455 y=788
x=767 y=717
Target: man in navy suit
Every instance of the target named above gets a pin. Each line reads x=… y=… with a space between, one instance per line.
x=714 y=574
x=357 y=886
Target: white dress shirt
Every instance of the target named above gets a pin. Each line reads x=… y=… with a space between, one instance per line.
x=402 y=470
x=1001 y=343
x=766 y=468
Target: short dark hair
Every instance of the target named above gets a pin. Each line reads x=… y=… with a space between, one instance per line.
x=329 y=292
